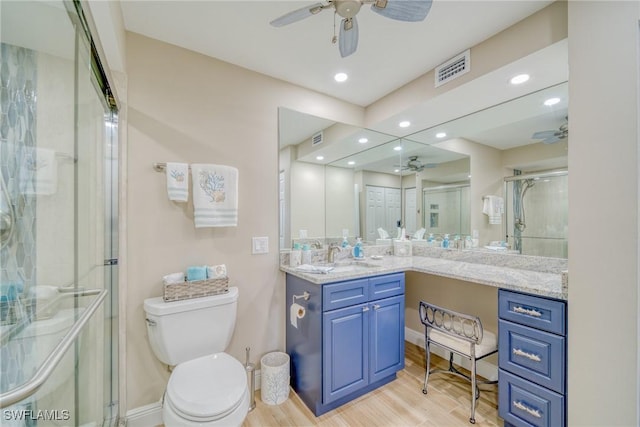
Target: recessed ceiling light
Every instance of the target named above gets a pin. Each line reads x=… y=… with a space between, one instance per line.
x=440 y=135
x=319 y=157
x=551 y=101
x=351 y=163
x=341 y=77
x=363 y=140
x=519 y=79
x=396 y=170
x=404 y=124
x=397 y=148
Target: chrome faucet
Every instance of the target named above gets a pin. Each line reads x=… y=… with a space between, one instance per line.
x=331 y=256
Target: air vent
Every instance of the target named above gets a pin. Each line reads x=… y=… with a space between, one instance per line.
x=453 y=68
x=317 y=139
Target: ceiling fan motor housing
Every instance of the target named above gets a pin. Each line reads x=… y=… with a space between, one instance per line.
x=347 y=8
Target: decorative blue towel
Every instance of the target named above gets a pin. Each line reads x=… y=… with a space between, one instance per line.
x=196 y=273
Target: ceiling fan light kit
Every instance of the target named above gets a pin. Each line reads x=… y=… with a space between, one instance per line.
x=400 y=10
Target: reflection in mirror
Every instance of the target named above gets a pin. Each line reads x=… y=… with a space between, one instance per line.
x=387 y=187
x=316 y=200
x=427 y=183
x=538 y=222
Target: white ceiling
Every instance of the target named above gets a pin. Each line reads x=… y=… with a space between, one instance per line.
x=390 y=53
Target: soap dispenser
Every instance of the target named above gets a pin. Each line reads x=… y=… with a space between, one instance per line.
x=306 y=254
x=445 y=242
x=295 y=257
x=358 y=252
x=345 y=242
x=430 y=240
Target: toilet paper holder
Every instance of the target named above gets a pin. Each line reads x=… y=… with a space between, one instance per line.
x=306 y=295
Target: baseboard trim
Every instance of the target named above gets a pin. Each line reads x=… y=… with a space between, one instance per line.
x=145 y=416
x=484 y=368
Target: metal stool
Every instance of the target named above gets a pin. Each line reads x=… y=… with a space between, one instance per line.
x=460 y=334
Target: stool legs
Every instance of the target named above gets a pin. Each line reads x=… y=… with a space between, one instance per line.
x=428 y=366
x=474 y=390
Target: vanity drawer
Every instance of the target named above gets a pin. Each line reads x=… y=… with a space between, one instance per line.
x=521 y=403
x=534 y=355
x=344 y=294
x=537 y=312
x=386 y=286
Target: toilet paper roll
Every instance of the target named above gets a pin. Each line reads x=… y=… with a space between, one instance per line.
x=296 y=312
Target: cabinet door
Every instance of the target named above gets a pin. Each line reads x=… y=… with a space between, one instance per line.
x=345 y=356
x=386 y=337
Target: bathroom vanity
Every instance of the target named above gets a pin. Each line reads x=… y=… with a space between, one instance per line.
x=350 y=340
x=532 y=360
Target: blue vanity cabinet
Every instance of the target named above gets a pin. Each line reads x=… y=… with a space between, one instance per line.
x=351 y=340
x=532 y=360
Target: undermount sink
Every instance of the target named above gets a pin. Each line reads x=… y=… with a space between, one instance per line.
x=351 y=265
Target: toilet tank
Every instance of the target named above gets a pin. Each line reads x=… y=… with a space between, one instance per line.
x=184 y=330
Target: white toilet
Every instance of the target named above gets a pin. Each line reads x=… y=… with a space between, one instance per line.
x=207 y=386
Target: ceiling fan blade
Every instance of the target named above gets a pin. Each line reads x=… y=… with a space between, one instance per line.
x=544 y=134
x=297 y=15
x=403 y=10
x=348 y=36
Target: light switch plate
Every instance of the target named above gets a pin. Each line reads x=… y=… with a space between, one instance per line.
x=260 y=245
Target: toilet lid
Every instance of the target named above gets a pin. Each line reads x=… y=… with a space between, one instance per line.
x=208 y=387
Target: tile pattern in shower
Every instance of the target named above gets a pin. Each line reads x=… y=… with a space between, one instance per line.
x=18 y=97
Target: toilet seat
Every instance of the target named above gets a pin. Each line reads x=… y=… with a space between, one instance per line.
x=207 y=388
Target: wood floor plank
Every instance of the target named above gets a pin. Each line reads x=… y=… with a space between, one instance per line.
x=400 y=403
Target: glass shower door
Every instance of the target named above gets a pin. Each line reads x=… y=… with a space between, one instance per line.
x=58 y=185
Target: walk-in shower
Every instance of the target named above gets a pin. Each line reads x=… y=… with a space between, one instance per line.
x=58 y=221
x=537 y=213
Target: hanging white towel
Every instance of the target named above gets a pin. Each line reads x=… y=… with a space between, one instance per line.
x=177 y=181
x=493 y=207
x=39 y=172
x=215 y=195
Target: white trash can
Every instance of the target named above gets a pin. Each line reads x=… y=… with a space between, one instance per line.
x=274 y=378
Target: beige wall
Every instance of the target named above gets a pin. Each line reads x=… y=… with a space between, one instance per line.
x=603 y=189
x=186 y=107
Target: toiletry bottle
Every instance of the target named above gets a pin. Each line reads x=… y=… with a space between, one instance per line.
x=358 y=252
x=475 y=241
x=295 y=257
x=306 y=254
x=468 y=244
x=430 y=240
x=345 y=242
x=445 y=242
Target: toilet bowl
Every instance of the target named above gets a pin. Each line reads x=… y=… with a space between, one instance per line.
x=207 y=387
x=211 y=390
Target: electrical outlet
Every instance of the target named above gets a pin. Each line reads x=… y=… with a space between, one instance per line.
x=260 y=245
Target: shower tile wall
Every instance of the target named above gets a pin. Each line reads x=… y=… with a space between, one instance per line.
x=17 y=139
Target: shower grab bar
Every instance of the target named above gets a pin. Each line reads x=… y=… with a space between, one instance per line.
x=44 y=372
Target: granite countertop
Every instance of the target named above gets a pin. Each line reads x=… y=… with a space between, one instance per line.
x=548 y=284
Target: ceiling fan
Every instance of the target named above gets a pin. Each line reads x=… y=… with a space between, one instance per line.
x=415 y=165
x=551 y=136
x=401 y=10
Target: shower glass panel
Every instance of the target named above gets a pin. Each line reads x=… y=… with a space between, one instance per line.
x=536 y=208
x=59 y=179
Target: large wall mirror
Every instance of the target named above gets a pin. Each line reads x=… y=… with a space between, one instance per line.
x=339 y=180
